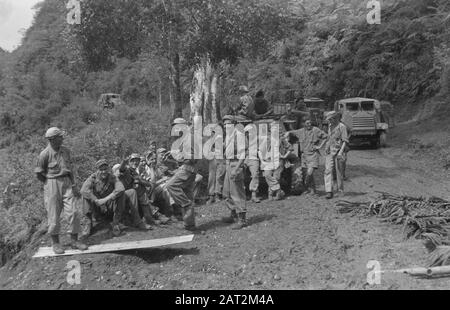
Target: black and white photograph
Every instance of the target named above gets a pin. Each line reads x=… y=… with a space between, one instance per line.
x=224 y=151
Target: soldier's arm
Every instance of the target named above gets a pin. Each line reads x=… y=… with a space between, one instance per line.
x=119 y=189
x=87 y=189
x=344 y=138
x=41 y=168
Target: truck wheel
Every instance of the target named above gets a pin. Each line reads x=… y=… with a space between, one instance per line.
x=383 y=139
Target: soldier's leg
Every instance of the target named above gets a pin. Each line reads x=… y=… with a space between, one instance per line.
x=220 y=176
x=70 y=210
x=118 y=205
x=53 y=201
x=328 y=176
x=212 y=179
x=197 y=186
x=72 y=214
x=226 y=195
x=180 y=188
x=339 y=175
x=253 y=166
x=131 y=200
x=238 y=197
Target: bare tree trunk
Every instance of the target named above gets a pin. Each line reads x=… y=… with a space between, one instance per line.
x=203 y=99
x=160 y=93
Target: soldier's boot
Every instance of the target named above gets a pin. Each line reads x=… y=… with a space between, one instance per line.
x=255 y=199
x=270 y=195
x=148 y=217
x=241 y=223
x=57 y=248
x=313 y=187
x=218 y=197
x=307 y=184
x=279 y=195
x=116 y=231
x=211 y=200
x=329 y=195
x=189 y=218
x=231 y=219
x=164 y=220
x=76 y=244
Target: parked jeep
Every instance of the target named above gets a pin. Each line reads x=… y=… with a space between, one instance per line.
x=109 y=101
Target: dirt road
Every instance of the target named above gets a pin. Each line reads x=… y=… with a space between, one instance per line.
x=299 y=243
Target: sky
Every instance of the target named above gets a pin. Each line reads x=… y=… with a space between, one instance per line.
x=15 y=16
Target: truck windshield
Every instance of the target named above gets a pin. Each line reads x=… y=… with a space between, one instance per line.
x=367 y=106
x=352 y=106
x=315 y=105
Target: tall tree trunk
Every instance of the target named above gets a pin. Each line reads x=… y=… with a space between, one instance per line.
x=203 y=99
x=176 y=86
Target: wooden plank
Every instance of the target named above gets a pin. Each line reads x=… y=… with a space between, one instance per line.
x=117 y=247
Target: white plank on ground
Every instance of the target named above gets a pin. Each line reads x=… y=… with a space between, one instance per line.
x=117 y=247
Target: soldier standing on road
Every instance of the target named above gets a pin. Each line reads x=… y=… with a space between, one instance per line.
x=234 y=191
x=181 y=185
x=55 y=171
x=216 y=176
x=335 y=148
x=311 y=140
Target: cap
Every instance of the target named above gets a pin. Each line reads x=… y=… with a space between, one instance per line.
x=54 y=132
x=101 y=162
x=243 y=89
x=161 y=151
x=330 y=115
x=116 y=167
x=179 y=121
x=135 y=156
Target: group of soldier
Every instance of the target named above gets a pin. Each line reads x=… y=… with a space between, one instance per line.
x=161 y=188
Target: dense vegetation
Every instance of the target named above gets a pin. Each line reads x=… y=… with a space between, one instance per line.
x=148 y=50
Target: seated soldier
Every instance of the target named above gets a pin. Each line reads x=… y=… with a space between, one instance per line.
x=262 y=106
x=131 y=179
x=104 y=194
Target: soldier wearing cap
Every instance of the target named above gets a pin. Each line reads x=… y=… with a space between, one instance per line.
x=335 y=149
x=104 y=194
x=246 y=106
x=131 y=178
x=181 y=186
x=55 y=171
x=311 y=140
x=234 y=189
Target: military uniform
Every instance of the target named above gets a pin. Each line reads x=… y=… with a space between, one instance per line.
x=58 y=195
x=55 y=171
x=336 y=137
x=95 y=188
x=309 y=141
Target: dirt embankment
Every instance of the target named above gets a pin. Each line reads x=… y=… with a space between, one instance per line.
x=299 y=243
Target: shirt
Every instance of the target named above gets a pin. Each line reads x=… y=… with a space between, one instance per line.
x=309 y=139
x=336 y=137
x=96 y=188
x=54 y=164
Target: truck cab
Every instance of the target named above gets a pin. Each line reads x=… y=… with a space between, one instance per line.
x=364 y=120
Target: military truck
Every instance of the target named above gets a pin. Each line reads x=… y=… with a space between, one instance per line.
x=364 y=121
x=110 y=101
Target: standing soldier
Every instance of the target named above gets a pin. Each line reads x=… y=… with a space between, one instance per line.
x=181 y=185
x=234 y=192
x=55 y=171
x=336 y=145
x=216 y=176
x=311 y=140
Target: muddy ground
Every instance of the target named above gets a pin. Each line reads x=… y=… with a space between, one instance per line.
x=298 y=243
